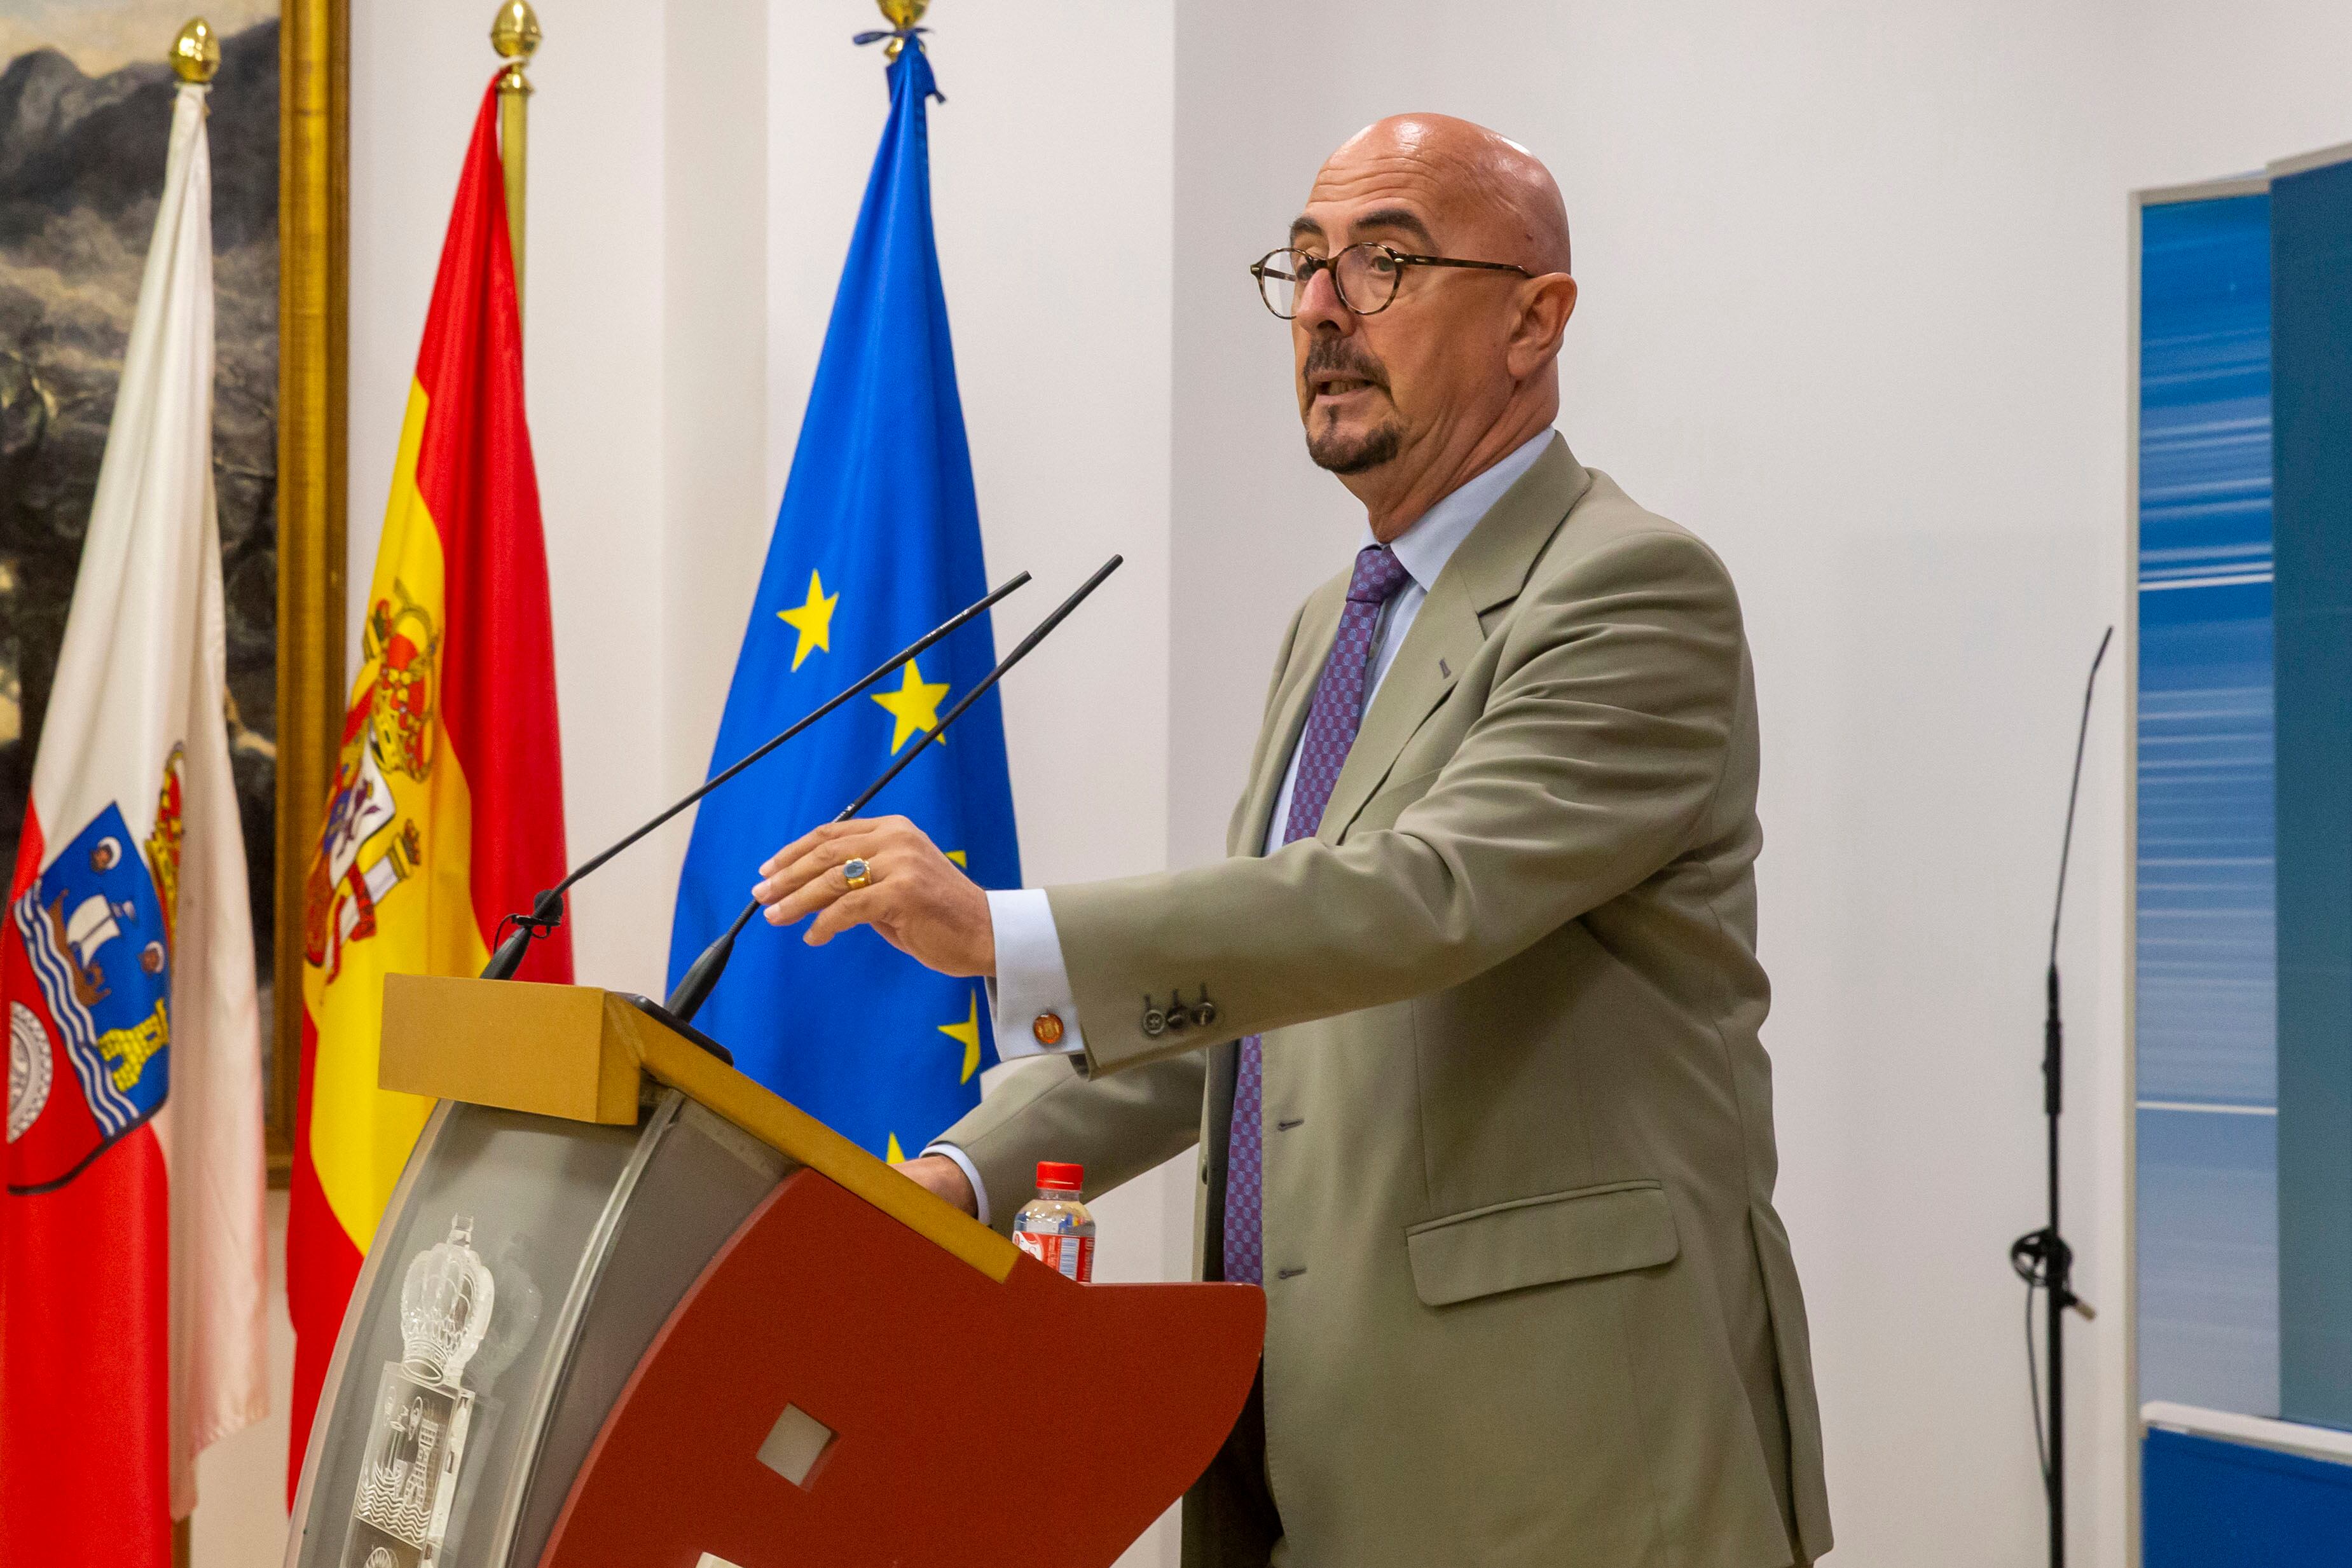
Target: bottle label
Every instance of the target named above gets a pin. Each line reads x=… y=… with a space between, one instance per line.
x=1071 y=1256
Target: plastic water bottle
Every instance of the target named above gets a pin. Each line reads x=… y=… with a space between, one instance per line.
x=1056 y=1229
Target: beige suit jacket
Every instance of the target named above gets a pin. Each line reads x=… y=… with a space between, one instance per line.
x=1527 y=1298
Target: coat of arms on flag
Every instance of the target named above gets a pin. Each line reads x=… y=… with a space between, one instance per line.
x=371 y=843
x=96 y=929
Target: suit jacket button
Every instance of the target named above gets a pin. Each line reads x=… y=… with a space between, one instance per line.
x=1155 y=1022
x=1047 y=1029
x=1205 y=1013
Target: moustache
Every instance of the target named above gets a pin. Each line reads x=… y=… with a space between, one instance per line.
x=1339 y=356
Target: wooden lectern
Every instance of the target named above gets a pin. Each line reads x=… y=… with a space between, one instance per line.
x=627 y=1307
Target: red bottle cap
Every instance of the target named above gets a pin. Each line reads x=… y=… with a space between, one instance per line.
x=1056 y=1175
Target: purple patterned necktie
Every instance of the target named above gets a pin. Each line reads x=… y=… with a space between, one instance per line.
x=1322 y=751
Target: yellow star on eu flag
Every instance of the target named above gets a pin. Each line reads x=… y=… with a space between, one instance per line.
x=892 y=1154
x=967 y=1034
x=813 y=620
x=914 y=706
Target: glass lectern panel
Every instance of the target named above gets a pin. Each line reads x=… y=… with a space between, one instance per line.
x=457 y=1338
x=526 y=1265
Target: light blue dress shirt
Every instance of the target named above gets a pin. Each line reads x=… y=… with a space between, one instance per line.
x=1031 y=978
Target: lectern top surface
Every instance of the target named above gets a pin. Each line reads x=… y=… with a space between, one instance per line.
x=582 y=1053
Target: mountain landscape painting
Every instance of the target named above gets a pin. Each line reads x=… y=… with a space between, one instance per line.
x=85 y=117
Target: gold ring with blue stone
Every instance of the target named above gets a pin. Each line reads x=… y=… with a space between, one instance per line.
x=857 y=873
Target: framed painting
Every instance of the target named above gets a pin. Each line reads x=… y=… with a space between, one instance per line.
x=85 y=109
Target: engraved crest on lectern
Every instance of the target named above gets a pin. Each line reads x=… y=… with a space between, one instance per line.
x=408 y=1478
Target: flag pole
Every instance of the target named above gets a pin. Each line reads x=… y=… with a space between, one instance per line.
x=514 y=33
x=195 y=55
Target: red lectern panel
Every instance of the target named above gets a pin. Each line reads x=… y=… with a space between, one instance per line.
x=1036 y=1422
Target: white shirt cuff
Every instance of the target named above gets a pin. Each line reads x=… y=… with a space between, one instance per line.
x=970 y=1174
x=1031 y=980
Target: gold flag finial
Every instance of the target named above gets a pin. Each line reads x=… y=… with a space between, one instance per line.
x=195 y=53
x=514 y=32
x=901 y=14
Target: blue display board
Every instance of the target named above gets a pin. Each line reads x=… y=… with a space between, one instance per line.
x=2311 y=335
x=2206 y=1034
x=2227 y=1505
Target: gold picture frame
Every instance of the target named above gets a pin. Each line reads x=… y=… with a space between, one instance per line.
x=313 y=381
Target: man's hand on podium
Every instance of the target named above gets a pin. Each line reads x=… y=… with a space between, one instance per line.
x=942 y=1177
x=920 y=901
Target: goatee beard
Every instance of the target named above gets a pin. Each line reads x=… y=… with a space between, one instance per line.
x=1353 y=454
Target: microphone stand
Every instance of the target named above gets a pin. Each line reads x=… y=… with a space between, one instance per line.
x=547 y=910
x=2041 y=1258
x=694 y=986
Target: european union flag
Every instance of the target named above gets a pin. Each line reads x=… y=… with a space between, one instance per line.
x=877 y=542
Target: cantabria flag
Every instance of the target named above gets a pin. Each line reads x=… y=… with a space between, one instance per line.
x=447 y=808
x=130 y=1256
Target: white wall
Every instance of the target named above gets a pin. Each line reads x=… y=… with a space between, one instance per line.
x=719 y=499
x=2207 y=94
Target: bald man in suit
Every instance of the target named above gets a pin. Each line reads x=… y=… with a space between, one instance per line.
x=1466 y=1028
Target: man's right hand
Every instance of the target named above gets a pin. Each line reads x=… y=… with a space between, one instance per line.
x=943 y=1178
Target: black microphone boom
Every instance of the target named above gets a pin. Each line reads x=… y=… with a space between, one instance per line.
x=694 y=986
x=2041 y=1258
x=547 y=910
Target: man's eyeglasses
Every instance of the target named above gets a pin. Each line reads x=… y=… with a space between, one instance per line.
x=1366 y=275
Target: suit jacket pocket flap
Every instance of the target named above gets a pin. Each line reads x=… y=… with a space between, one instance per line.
x=1542 y=1241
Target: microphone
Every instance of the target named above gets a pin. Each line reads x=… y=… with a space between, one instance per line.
x=547 y=910
x=694 y=986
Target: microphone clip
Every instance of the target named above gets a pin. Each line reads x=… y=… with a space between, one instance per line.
x=531 y=923
x=516 y=932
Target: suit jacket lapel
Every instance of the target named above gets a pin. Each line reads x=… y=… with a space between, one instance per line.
x=1495 y=561
x=1486 y=572
x=1309 y=651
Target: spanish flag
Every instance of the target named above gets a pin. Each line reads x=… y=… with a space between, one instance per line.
x=447 y=809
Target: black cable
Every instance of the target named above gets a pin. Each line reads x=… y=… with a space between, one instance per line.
x=2033 y=1388
x=2066 y=843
